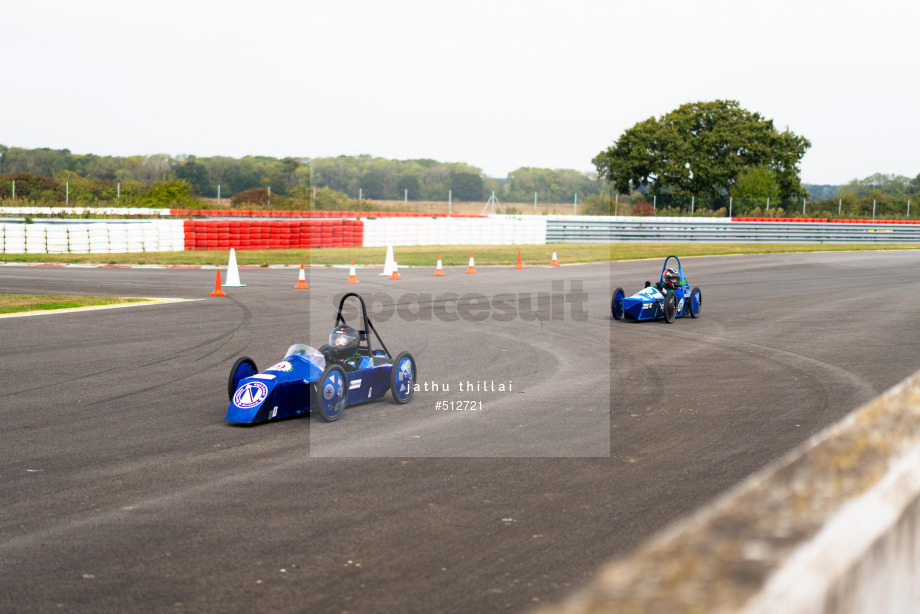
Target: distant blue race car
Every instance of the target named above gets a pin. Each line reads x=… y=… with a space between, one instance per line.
x=315 y=381
x=669 y=299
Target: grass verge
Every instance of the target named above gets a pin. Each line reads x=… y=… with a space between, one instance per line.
x=19 y=303
x=427 y=255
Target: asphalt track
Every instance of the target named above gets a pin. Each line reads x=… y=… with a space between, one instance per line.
x=122 y=489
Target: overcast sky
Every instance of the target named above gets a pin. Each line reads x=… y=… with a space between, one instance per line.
x=497 y=84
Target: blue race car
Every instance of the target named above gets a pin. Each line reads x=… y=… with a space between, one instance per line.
x=670 y=298
x=346 y=372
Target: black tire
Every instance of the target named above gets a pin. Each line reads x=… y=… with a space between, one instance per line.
x=330 y=404
x=670 y=306
x=616 y=304
x=696 y=302
x=242 y=368
x=402 y=378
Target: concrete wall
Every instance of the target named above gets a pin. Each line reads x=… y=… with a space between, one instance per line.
x=833 y=527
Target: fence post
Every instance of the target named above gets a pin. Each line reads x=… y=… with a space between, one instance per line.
x=67 y=193
x=534 y=203
x=269 y=196
x=839 y=205
x=118 y=194
x=576 y=204
x=768 y=203
x=908 y=207
x=449 y=200
x=692 y=203
x=360 y=194
x=803 y=206
x=873 y=210
x=406 y=201
x=616 y=203
x=729 y=206
x=218 y=195
x=654 y=201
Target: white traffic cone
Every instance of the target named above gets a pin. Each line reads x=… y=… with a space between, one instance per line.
x=389 y=264
x=233 y=272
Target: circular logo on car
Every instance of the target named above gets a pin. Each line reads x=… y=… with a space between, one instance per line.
x=281 y=366
x=328 y=391
x=250 y=394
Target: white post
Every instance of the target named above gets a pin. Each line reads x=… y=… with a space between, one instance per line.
x=692 y=203
x=218 y=195
x=406 y=201
x=535 y=204
x=360 y=194
x=269 y=196
x=729 y=206
x=654 y=201
x=118 y=193
x=616 y=204
x=768 y=203
x=873 y=210
x=839 y=205
x=908 y=207
x=576 y=204
x=803 y=206
x=450 y=194
x=67 y=193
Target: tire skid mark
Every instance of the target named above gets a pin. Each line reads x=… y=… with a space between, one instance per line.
x=246 y=319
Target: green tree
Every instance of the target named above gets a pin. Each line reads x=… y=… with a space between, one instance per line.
x=700 y=149
x=892 y=185
x=756 y=182
x=466 y=186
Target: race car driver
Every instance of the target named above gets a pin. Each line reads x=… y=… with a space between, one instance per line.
x=669 y=281
x=343 y=348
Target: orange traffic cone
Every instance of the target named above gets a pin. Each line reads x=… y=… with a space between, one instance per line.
x=301 y=281
x=440 y=270
x=520 y=263
x=555 y=262
x=395 y=273
x=471 y=269
x=352 y=278
x=217 y=290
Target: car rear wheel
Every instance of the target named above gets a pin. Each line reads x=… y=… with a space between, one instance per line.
x=332 y=393
x=670 y=306
x=242 y=368
x=696 y=303
x=616 y=303
x=402 y=378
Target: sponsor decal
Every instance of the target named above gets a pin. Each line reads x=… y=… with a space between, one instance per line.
x=262 y=376
x=369 y=391
x=354 y=384
x=250 y=395
x=680 y=305
x=281 y=366
x=274 y=411
x=328 y=391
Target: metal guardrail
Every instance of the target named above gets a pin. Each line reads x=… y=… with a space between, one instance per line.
x=718 y=230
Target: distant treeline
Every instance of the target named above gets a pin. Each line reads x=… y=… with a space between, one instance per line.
x=364 y=176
